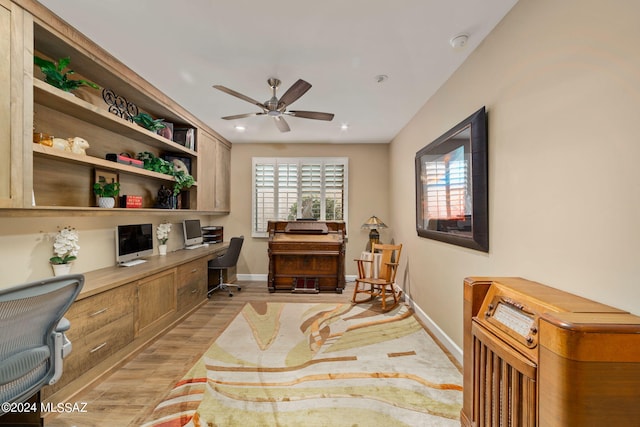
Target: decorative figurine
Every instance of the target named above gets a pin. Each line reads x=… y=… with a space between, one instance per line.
x=164 y=198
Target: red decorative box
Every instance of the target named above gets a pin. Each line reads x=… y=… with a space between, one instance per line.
x=125 y=160
x=131 y=201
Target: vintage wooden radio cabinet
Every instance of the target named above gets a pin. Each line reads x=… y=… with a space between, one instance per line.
x=306 y=256
x=538 y=356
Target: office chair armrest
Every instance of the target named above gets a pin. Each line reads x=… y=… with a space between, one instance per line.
x=63 y=325
x=61 y=348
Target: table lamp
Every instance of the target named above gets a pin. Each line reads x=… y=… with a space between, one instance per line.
x=373 y=224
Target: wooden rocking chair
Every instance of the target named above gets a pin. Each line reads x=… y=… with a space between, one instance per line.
x=379 y=282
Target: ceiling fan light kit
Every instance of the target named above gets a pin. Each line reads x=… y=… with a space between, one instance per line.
x=277 y=108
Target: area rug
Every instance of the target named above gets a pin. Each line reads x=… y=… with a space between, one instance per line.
x=290 y=364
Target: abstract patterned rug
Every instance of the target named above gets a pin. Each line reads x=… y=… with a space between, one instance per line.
x=290 y=364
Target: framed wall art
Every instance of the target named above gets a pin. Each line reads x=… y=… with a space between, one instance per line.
x=452 y=203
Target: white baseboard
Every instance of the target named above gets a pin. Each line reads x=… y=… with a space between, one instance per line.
x=444 y=339
x=253 y=277
x=257 y=277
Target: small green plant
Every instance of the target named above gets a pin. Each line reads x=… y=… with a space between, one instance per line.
x=154 y=163
x=55 y=74
x=157 y=164
x=106 y=189
x=183 y=180
x=147 y=122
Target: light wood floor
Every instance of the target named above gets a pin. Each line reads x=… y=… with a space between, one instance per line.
x=129 y=395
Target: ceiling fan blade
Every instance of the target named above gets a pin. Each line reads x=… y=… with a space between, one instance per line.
x=312 y=115
x=241 y=116
x=296 y=90
x=281 y=124
x=239 y=95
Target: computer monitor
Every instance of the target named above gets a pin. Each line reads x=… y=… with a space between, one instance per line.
x=133 y=241
x=192 y=232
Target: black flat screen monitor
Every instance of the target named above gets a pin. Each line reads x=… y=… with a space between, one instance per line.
x=133 y=241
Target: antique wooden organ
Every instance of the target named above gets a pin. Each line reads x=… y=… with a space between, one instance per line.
x=306 y=256
x=537 y=356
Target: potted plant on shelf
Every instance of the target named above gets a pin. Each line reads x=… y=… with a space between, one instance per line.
x=106 y=193
x=183 y=180
x=148 y=122
x=55 y=74
x=65 y=248
x=162 y=232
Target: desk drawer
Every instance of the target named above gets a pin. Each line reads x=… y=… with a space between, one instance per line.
x=93 y=348
x=192 y=283
x=93 y=313
x=192 y=274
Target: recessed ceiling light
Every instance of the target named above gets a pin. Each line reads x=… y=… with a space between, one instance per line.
x=240 y=128
x=344 y=126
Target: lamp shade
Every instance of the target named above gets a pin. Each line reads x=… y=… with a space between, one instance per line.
x=373 y=223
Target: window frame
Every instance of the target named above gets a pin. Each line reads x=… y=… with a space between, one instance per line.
x=299 y=161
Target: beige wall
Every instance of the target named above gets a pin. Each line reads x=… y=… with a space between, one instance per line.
x=368 y=195
x=561 y=83
x=26 y=243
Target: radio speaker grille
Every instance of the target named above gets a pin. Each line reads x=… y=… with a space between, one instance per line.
x=503 y=395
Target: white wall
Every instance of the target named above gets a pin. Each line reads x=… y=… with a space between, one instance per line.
x=561 y=83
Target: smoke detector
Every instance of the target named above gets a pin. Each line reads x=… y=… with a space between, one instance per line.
x=459 y=41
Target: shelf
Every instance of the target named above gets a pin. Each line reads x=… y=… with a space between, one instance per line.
x=67 y=103
x=66 y=211
x=44 y=151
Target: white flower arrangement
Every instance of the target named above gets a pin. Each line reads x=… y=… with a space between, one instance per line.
x=65 y=246
x=163 y=232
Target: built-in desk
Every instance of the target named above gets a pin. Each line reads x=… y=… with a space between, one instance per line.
x=122 y=310
x=101 y=280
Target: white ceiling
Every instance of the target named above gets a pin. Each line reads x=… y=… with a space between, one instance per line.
x=339 y=46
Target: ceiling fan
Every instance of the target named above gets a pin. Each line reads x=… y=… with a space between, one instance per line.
x=277 y=108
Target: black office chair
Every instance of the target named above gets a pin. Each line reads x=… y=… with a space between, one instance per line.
x=227 y=260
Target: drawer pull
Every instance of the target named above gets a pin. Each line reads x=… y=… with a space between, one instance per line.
x=194 y=291
x=195 y=270
x=99 y=312
x=93 y=350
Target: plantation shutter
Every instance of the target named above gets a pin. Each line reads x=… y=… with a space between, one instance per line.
x=264 y=195
x=289 y=188
x=310 y=191
x=334 y=191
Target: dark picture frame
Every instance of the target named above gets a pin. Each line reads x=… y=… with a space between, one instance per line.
x=452 y=203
